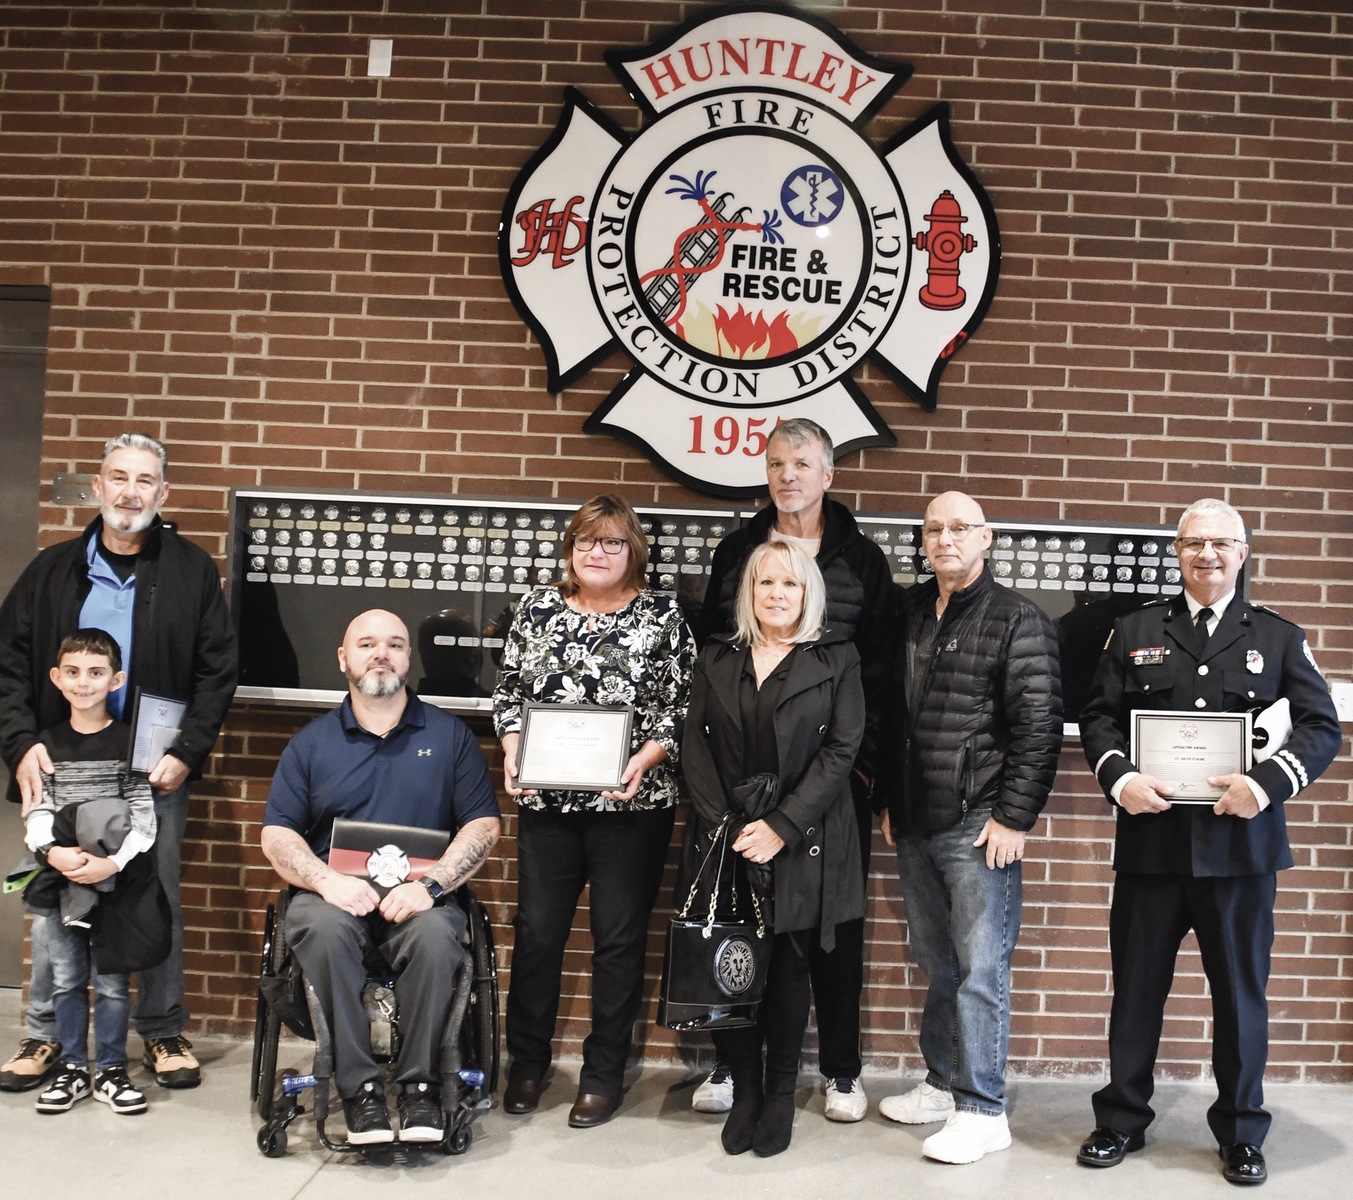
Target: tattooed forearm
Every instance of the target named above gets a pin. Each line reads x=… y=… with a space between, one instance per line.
x=292 y=858
x=466 y=853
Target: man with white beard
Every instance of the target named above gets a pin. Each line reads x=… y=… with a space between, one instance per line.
x=159 y=596
x=381 y=756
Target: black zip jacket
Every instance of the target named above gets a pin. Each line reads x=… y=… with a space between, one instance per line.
x=988 y=728
x=183 y=643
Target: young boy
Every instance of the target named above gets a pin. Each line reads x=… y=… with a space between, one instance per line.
x=92 y=828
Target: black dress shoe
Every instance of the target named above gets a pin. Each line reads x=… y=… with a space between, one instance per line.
x=590 y=1110
x=1242 y=1163
x=522 y=1096
x=1106 y=1147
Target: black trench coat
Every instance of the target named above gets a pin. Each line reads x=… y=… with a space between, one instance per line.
x=818 y=726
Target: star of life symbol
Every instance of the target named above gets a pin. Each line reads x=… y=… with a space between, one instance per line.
x=388 y=865
x=734 y=965
x=749 y=249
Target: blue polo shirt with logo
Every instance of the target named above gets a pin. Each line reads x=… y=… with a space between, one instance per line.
x=428 y=771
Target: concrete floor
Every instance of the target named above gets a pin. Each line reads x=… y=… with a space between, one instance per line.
x=200 y=1144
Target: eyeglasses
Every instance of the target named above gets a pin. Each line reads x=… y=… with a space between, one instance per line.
x=958 y=530
x=609 y=545
x=1198 y=545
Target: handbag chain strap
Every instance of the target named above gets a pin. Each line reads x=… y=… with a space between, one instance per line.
x=719 y=841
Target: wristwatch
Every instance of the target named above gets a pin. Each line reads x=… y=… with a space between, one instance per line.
x=434 y=889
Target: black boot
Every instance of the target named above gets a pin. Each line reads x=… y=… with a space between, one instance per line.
x=776 y=1126
x=740 y=1126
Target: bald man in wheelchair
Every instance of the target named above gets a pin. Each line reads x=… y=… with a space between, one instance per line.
x=381 y=756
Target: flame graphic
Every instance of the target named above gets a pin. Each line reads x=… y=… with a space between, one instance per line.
x=745 y=335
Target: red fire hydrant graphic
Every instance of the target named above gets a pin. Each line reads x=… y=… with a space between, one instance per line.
x=946 y=243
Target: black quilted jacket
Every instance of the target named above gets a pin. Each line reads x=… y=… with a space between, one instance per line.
x=988 y=730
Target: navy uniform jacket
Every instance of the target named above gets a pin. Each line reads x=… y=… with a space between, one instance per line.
x=1254 y=658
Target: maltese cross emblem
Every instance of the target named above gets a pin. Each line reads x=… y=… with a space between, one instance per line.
x=749 y=248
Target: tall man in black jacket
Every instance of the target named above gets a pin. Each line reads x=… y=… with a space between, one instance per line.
x=1209 y=866
x=859 y=584
x=972 y=734
x=159 y=595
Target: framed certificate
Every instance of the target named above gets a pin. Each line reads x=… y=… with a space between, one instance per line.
x=155 y=728
x=1185 y=748
x=574 y=747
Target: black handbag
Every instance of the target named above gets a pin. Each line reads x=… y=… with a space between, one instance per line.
x=714 y=970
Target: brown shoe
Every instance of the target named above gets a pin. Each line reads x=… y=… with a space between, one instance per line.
x=173 y=1062
x=590 y=1110
x=30 y=1066
x=522 y=1096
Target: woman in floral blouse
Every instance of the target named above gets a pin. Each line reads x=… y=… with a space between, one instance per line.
x=598 y=637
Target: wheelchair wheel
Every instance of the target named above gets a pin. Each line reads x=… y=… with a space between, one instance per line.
x=265 y=1046
x=481 y=1024
x=261 y=1005
x=459 y=1142
x=273 y=1142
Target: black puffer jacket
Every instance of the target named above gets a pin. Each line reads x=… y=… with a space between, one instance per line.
x=988 y=730
x=859 y=586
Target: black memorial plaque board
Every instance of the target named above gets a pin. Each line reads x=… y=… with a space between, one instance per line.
x=303 y=564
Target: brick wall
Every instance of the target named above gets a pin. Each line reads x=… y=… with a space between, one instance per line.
x=288 y=271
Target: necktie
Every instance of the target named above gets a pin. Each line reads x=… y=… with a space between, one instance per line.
x=1200 y=624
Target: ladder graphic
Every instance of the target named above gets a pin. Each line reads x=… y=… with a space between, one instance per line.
x=698 y=251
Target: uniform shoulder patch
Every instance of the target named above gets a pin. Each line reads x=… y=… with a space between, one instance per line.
x=1306 y=650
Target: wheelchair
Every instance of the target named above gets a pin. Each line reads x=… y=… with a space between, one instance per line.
x=469 y=1051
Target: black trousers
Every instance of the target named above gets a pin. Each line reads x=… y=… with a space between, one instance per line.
x=838 y=976
x=1232 y=919
x=620 y=855
x=782 y=1018
x=425 y=951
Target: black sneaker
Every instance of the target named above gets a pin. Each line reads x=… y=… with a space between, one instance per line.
x=420 y=1113
x=113 y=1088
x=367 y=1117
x=67 y=1089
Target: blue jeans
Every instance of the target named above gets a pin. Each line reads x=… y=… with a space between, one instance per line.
x=71 y=968
x=159 y=991
x=964 y=921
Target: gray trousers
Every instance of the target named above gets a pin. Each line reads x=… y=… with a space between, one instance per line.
x=425 y=951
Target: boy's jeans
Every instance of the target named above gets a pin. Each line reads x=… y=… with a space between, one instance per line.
x=72 y=965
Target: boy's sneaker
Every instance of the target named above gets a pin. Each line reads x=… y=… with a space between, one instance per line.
x=367 y=1117
x=113 y=1088
x=173 y=1062
x=846 y=1100
x=30 y=1066
x=715 y=1095
x=420 y=1113
x=67 y=1089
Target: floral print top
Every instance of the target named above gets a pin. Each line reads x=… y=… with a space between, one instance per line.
x=641 y=655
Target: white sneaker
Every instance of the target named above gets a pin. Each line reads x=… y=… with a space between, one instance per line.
x=922 y=1105
x=967 y=1136
x=846 y=1100
x=715 y=1095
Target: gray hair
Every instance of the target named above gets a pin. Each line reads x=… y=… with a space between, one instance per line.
x=799 y=431
x=137 y=441
x=1211 y=508
x=805 y=570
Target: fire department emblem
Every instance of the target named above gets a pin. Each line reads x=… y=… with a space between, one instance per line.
x=388 y=865
x=749 y=248
x=734 y=966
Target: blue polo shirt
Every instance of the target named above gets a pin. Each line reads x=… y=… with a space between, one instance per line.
x=110 y=606
x=428 y=771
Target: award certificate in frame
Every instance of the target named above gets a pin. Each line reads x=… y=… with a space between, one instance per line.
x=1185 y=748
x=155 y=728
x=573 y=747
